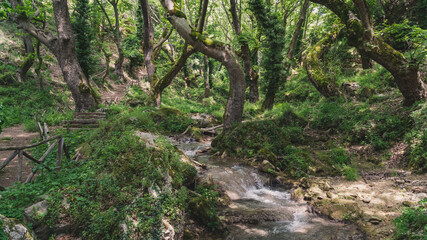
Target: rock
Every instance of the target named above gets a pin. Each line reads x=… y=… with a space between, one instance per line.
x=329 y=194
x=297 y=194
x=375 y=220
x=36 y=211
x=339 y=209
x=266 y=166
x=366 y=200
x=168 y=231
x=15 y=230
x=315 y=192
x=350 y=88
x=34 y=214
x=147 y=137
x=407 y=203
x=204 y=120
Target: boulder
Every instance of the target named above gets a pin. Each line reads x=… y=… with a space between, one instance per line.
x=266 y=166
x=350 y=88
x=34 y=214
x=204 y=120
x=297 y=194
x=148 y=138
x=339 y=209
x=15 y=230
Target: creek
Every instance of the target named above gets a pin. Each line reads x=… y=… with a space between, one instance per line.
x=259 y=210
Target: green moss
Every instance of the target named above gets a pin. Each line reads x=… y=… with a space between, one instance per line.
x=207 y=41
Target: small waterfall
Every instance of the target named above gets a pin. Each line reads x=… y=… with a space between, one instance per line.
x=258 y=211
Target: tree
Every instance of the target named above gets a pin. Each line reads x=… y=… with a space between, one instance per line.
x=251 y=74
x=117 y=35
x=62 y=46
x=360 y=34
x=84 y=35
x=273 y=30
x=218 y=51
x=324 y=84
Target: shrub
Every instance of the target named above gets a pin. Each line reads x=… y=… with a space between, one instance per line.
x=412 y=224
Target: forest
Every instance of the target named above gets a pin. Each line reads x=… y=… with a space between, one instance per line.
x=226 y=119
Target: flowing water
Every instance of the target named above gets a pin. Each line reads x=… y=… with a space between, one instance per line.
x=259 y=211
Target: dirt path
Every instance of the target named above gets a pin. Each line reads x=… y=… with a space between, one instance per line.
x=14 y=136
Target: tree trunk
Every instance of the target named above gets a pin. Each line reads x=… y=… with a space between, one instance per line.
x=148 y=40
x=206 y=78
x=118 y=41
x=29 y=59
x=251 y=75
x=325 y=85
x=62 y=46
x=293 y=44
x=220 y=52
x=159 y=85
x=366 y=61
x=361 y=35
x=66 y=55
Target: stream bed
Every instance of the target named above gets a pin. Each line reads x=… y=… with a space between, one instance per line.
x=259 y=211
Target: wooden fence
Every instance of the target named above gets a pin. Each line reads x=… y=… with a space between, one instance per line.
x=21 y=153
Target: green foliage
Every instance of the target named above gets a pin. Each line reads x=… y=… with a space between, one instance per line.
x=412 y=224
x=417 y=138
x=7 y=73
x=404 y=36
x=296 y=162
x=272 y=28
x=132 y=50
x=350 y=173
x=204 y=208
x=84 y=36
x=2 y=233
x=32 y=99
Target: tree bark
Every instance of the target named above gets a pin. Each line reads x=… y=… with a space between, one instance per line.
x=360 y=35
x=29 y=59
x=251 y=75
x=324 y=84
x=63 y=47
x=366 y=61
x=118 y=41
x=218 y=51
x=148 y=45
x=207 y=92
x=66 y=55
x=293 y=44
x=159 y=85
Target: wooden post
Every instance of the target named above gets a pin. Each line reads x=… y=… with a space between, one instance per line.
x=20 y=166
x=59 y=157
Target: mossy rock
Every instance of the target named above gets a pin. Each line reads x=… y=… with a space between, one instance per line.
x=189 y=175
x=339 y=209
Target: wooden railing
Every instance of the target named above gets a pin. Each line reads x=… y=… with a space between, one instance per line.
x=21 y=153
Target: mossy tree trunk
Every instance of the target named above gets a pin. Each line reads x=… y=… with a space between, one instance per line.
x=157 y=85
x=62 y=45
x=361 y=35
x=312 y=63
x=29 y=58
x=218 y=51
x=251 y=74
